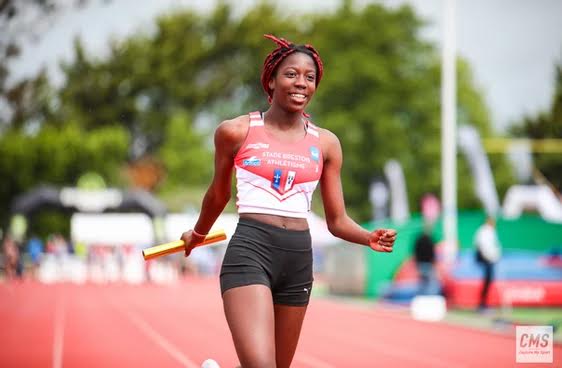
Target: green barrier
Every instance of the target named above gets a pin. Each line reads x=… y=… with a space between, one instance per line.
x=382 y=266
x=528 y=232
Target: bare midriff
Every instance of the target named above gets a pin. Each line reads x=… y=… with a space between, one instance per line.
x=289 y=223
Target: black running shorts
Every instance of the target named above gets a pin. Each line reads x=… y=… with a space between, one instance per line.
x=281 y=259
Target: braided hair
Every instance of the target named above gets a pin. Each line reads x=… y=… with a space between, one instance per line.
x=284 y=49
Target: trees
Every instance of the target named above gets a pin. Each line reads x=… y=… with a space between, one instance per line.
x=381 y=96
x=546 y=124
x=24 y=103
x=166 y=89
x=57 y=156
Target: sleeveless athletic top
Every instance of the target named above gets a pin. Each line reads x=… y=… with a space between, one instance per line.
x=277 y=178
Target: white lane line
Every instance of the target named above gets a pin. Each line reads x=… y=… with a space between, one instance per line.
x=160 y=340
x=58 y=341
x=311 y=361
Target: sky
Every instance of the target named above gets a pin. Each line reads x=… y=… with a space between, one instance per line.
x=511 y=45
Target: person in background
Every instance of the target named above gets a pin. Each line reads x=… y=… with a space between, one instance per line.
x=424 y=257
x=35 y=250
x=11 y=258
x=488 y=253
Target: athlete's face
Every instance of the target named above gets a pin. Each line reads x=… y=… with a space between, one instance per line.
x=294 y=82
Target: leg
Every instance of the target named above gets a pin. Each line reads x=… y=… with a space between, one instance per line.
x=288 y=323
x=250 y=317
x=423 y=271
x=488 y=270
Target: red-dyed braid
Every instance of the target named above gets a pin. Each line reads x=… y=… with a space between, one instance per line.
x=284 y=49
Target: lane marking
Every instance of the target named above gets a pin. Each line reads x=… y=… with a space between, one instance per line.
x=160 y=340
x=58 y=340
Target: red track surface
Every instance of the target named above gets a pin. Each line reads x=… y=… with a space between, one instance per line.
x=181 y=325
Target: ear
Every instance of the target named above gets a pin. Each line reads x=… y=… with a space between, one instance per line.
x=271 y=83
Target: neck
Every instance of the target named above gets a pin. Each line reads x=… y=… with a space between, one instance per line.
x=283 y=118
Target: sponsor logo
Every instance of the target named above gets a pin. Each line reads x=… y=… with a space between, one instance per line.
x=257 y=146
x=314 y=153
x=533 y=344
x=252 y=161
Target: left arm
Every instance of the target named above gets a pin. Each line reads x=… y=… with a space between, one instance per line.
x=339 y=223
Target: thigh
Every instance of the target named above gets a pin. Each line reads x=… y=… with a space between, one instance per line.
x=288 y=323
x=250 y=316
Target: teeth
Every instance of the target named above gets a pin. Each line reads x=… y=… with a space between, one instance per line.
x=298 y=95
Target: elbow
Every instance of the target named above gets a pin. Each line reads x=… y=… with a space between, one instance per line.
x=334 y=228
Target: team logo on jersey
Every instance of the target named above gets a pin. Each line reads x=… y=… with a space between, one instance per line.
x=257 y=146
x=281 y=182
x=290 y=180
x=314 y=153
x=276 y=182
x=252 y=161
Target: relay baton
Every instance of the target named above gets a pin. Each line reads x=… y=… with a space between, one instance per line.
x=178 y=245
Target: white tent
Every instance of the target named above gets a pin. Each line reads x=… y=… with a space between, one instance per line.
x=540 y=198
x=112 y=229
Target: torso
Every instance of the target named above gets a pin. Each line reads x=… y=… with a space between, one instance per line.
x=289 y=223
x=264 y=153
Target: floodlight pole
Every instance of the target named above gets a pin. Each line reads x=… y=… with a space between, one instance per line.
x=449 y=127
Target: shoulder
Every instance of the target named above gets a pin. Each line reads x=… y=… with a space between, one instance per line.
x=327 y=135
x=233 y=131
x=329 y=142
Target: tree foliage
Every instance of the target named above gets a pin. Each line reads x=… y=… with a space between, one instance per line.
x=58 y=157
x=381 y=96
x=168 y=87
x=24 y=103
x=546 y=124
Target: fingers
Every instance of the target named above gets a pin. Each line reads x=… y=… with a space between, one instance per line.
x=385 y=241
x=386 y=249
x=390 y=232
x=387 y=238
x=187 y=239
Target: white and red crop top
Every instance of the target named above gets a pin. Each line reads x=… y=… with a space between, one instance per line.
x=277 y=178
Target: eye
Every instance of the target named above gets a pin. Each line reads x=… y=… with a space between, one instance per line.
x=311 y=77
x=290 y=74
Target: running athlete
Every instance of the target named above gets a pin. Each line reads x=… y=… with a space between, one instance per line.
x=279 y=156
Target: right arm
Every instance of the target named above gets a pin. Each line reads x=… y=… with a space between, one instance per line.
x=229 y=135
x=339 y=223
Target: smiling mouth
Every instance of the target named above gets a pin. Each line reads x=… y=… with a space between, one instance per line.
x=298 y=96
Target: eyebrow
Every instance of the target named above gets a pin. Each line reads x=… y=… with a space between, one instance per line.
x=308 y=70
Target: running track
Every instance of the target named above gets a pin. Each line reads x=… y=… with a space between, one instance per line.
x=180 y=325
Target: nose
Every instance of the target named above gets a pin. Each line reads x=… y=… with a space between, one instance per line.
x=300 y=81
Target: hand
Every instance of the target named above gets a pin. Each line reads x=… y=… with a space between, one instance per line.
x=190 y=240
x=382 y=240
